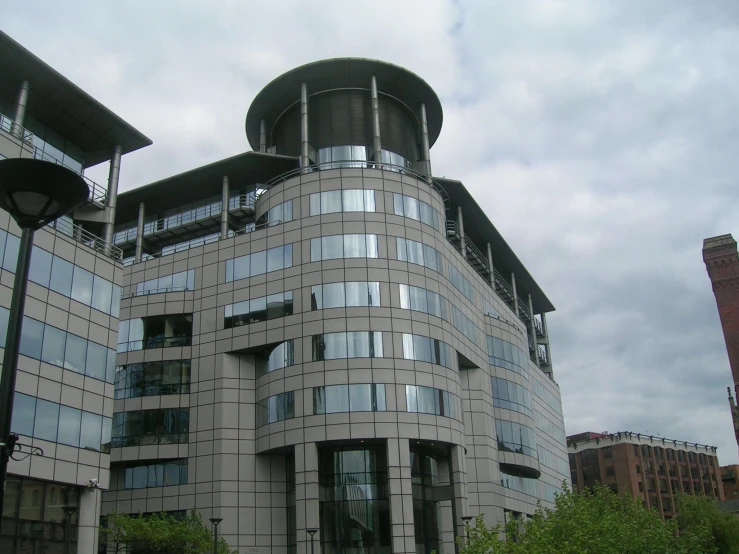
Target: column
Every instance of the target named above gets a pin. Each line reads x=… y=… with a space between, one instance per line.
x=401 y=496
x=490 y=263
x=459 y=482
x=445 y=515
x=426 y=154
x=224 y=208
x=306 y=496
x=112 y=200
x=533 y=331
x=262 y=136
x=88 y=521
x=304 y=159
x=376 y=141
x=546 y=338
x=140 y=234
x=20 y=105
x=515 y=293
x=460 y=224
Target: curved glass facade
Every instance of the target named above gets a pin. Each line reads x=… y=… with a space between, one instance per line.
x=426 y=349
x=281 y=213
x=143 y=427
x=418 y=253
x=259 y=263
x=354 y=506
x=283 y=355
x=276 y=408
x=507 y=355
x=351 y=344
x=345 y=295
x=335 y=247
x=258 y=309
x=514 y=437
x=427 y=400
x=165 y=474
x=511 y=396
x=461 y=283
x=347 y=200
x=413 y=208
x=348 y=398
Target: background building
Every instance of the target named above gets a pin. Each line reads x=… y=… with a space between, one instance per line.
x=722 y=264
x=650 y=468
x=729 y=481
x=64 y=390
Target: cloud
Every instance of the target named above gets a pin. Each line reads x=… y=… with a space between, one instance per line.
x=598 y=136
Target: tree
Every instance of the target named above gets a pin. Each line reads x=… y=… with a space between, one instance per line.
x=700 y=512
x=159 y=533
x=594 y=521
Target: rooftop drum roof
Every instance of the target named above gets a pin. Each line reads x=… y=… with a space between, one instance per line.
x=343 y=73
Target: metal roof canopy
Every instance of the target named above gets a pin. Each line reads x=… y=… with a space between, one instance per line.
x=337 y=73
x=481 y=230
x=202 y=182
x=64 y=107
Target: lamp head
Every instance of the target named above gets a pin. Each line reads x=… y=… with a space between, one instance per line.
x=36 y=192
x=311 y=532
x=216 y=520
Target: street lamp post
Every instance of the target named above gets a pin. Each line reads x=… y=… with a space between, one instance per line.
x=215 y=521
x=68 y=512
x=311 y=532
x=467 y=520
x=34 y=193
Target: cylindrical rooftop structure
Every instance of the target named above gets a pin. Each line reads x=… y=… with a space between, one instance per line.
x=339 y=125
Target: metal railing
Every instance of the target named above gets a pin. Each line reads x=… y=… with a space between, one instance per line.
x=543 y=357
x=182 y=218
x=19 y=132
x=97 y=192
x=77 y=233
x=539 y=327
x=361 y=164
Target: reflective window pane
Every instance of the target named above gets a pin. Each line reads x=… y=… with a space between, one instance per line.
x=97 y=360
x=332 y=247
x=40 y=268
x=24 y=411
x=75 y=353
x=32 y=334
x=353 y=200
x=69 y=426
x=82 y=283
x=54 y=343
x=47 y=420
x=91 y=431
x=102 y=292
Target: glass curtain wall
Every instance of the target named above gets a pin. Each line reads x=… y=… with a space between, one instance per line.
x=354 y=506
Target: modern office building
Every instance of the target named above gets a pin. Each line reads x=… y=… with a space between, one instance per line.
x=316 y=334
x=722 y=264
x=651 y=468
x=64 y=392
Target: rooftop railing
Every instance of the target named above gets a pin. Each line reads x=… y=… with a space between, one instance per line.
x=97 y=192
x=19 y=132
x=65 y=226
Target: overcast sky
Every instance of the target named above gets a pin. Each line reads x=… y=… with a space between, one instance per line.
x=601 y=138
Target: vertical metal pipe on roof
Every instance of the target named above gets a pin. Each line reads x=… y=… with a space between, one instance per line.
x=140 y=234
x=515 y=293
x=262 y=136
x=20 y=105
x=376 y=140
x=112 y=200
x=425 y=141
x=533 y=331
x=304 y=159
x=224 y=208
x=490 y=263
x=460 y=224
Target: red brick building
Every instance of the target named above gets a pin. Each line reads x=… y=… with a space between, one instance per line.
x=730 y=481
x=650 y=468
x=722 y=264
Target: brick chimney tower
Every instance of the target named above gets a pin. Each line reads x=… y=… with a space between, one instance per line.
x=722 y=264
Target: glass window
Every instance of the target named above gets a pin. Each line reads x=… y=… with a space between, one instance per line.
x=12 y=245
x=24 y=411
x=4 y=313
x=276 y=408
x=46 y=421
x=274 y=259
x=332 y=247
x=91 y=431
x=241 y=268
x=69 y=426
x=429 y=400
x=333 y=295
x=32 y=334
x=411 y=208
x=330 y=201
x=40 y=268
x=353 y=200
x=283 y=355
x=97 y=360
x=258 y=263
x=53 y=349
x=75 y=353
x=102 y=292
x=82 y=283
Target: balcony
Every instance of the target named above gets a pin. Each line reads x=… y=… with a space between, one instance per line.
x=65 y=226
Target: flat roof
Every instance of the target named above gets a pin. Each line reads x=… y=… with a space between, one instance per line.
x=58 y=103
x=481 y=230
x=249 y=168
x=337 y=73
